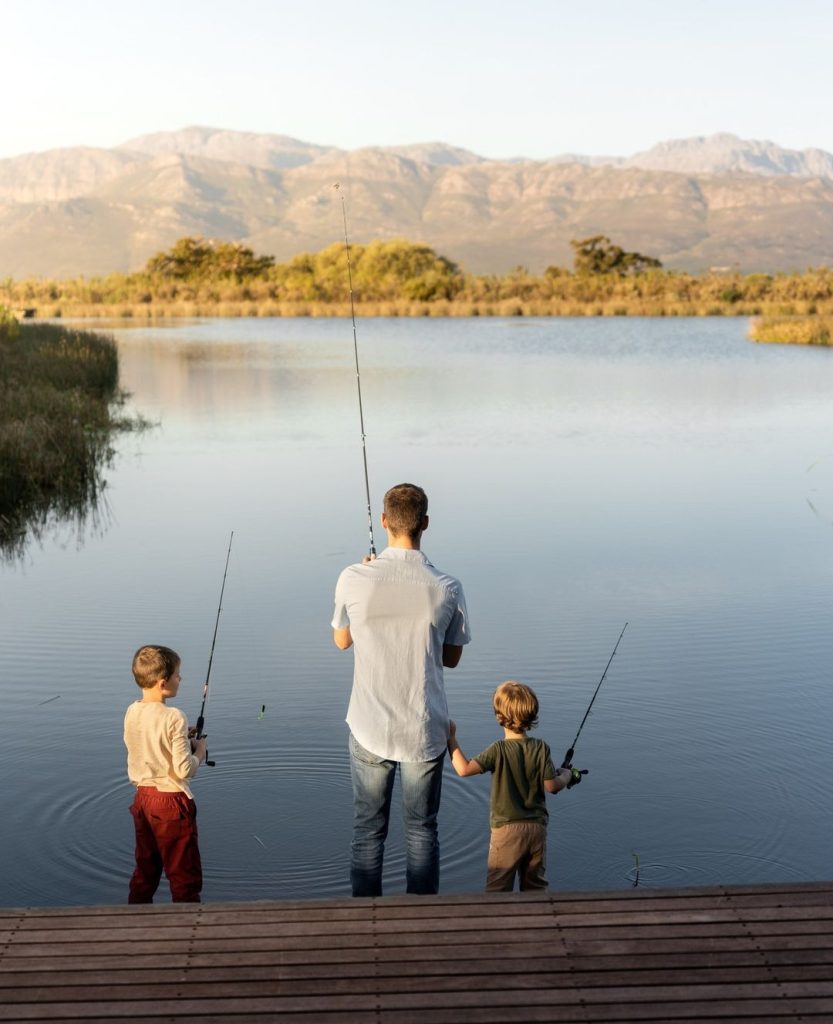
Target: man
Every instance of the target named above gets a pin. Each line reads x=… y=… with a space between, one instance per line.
x=405 y=620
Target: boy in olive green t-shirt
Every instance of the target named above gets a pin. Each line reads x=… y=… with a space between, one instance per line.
x=523 y=773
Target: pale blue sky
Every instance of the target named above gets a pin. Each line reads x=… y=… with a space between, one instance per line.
x=531 y=78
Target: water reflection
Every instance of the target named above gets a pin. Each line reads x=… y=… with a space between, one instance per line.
x=581 y=473
x=77 y=513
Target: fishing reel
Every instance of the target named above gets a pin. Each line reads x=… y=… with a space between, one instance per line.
x=575 y=773
x=200 y=735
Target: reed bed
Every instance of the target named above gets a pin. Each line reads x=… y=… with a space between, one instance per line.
x=59 y=409
x=404 y=308
x=815 y=330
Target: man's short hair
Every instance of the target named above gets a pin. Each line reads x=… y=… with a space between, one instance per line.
x=406 y=507
x=153 y=662
x=516 y=706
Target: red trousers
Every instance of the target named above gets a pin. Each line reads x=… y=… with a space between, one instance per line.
x=166 y=839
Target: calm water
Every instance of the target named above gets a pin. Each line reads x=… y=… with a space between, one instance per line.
x=581 y=473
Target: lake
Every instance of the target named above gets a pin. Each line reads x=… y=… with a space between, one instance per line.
x=581 y=474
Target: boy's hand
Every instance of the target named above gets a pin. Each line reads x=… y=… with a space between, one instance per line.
x=199 y=748
x=192 y=732
x=452 y=729
x=368 y=559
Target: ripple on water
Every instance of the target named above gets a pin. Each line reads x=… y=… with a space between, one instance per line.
x=274 y=822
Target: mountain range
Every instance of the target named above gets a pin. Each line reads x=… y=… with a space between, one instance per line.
x=693 y=203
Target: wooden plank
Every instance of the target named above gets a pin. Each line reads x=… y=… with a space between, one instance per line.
x=126 y=953
x=589 y=970
x=345 y=947
x=757 y=983
x=667 y=911
x=760 y=953
x=317 y=937
x=485 y=1015
x=652 y=1003
x=783 y=964
x=642 y=926
x=509 y=1015
x=588 y=899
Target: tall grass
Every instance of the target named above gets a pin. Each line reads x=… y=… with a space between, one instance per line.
x=814 y=330
x=59 y=401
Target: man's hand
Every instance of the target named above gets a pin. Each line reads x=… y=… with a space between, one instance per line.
x=368 y=559
x=199 y=748
x=343 y=638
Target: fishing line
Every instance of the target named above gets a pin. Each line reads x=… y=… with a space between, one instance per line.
x=568 y=757
x=337 y=187
x=249 y=632
x=201 y=718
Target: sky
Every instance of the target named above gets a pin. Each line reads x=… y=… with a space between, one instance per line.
x=532 y=78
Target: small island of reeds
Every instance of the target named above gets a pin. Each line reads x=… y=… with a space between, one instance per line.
x=197 y=277
x=59 y=409
x=813 y=330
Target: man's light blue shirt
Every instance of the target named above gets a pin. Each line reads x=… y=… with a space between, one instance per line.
x=400 y=610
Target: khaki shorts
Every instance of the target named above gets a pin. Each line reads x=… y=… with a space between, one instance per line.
x=519 y=847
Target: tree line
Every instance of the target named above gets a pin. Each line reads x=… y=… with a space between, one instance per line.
x=198 y=276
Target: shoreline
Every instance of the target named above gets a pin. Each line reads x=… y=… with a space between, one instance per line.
x=406 y=309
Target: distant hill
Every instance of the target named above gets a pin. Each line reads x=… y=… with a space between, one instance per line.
x=273 y=152
x=725 y=153
x=693 y=203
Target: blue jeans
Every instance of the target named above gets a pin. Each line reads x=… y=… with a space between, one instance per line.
x=421 y=783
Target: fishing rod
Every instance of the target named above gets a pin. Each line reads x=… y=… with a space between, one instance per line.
x=568 y=757
x=337 y=187
x=201 y=718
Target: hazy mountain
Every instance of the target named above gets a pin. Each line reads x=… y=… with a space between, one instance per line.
x=92 y=211
x=258 y=150
x=718 y=154
x=587 y=161
x=61 y=173
x=438 y=153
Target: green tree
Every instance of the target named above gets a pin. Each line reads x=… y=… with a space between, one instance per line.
x=194 y=258
x=598 y=255
x=385 y=270
x=232 y=259
x=187 y=258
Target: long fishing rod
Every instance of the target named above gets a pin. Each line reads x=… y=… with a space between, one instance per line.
x=201 y=718
x=337 y=187
x=568 y=757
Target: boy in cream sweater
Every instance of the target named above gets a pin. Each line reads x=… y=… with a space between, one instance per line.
x=161 y=757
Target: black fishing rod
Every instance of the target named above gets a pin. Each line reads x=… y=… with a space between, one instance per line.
x=201 y=718
x=337 y=187
x=568 y=757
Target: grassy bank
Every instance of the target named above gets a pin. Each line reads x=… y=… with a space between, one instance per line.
x=59 y=399
x=401 y=278
x=202 y=307
x=816 y=330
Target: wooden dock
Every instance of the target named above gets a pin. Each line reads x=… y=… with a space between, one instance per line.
x=735 y=953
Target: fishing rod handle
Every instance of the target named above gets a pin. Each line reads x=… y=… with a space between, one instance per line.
x=199 y=735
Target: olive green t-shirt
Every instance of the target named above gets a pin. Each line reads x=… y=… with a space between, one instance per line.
x=519 y=767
